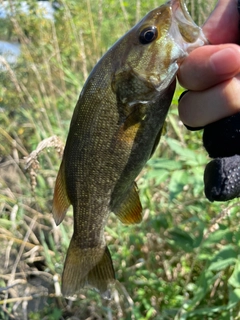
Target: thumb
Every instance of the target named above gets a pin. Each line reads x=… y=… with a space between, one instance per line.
x=223 y=24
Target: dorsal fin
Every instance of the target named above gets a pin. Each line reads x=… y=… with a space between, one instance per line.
x=130 y=211
x=61 y=201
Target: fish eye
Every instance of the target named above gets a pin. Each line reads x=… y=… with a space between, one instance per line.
x=148 y=34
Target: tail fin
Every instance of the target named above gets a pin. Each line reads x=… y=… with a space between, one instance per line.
x=91 y=266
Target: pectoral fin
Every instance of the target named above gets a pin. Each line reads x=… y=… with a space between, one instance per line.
x=61 y=201
x=130 y=211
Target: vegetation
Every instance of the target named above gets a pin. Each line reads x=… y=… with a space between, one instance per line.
x=181 y=262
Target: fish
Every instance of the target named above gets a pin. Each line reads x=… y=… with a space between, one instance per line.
x=115 y=128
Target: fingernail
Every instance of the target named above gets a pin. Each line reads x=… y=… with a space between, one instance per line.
x=224 y=61
x=182 y=94
x=193 y=128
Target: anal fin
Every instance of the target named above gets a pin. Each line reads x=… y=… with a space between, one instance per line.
x=130 y=211
x=61 y=201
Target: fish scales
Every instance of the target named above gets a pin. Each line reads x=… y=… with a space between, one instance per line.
x=115 y=129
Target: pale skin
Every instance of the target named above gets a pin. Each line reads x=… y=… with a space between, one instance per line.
x=212 y=73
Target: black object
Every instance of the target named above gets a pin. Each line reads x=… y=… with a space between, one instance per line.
x=222 y=178
x=221 y=139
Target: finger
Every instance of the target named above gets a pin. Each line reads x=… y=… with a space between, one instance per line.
x=197 y=109
x=222 y=25
x=209 y=65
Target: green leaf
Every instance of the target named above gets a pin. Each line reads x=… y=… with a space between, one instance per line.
x=224 y=258
x=198 y=235
x=222 y=264
x=4 y=223
x=207 y=312
x=159 y=175
x=177 y=147
x=71 y=77
x=182 y=239
x=112 y=232
x=234 y=298
x=162 y=163
x=234 y=280
x=204 y=283
x=218 y=236
x=178 y=180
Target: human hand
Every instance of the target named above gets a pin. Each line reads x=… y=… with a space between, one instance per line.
x=212 y=75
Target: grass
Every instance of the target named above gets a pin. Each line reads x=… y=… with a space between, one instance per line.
x=180 y=263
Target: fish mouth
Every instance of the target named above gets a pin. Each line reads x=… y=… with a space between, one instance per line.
x=180 y=6
x=183 y=28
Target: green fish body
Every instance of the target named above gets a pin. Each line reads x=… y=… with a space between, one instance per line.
x=115 y=129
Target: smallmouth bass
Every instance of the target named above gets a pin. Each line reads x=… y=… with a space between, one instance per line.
x=115 y=129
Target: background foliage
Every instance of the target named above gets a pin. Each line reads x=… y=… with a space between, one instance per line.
x=182 y=262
